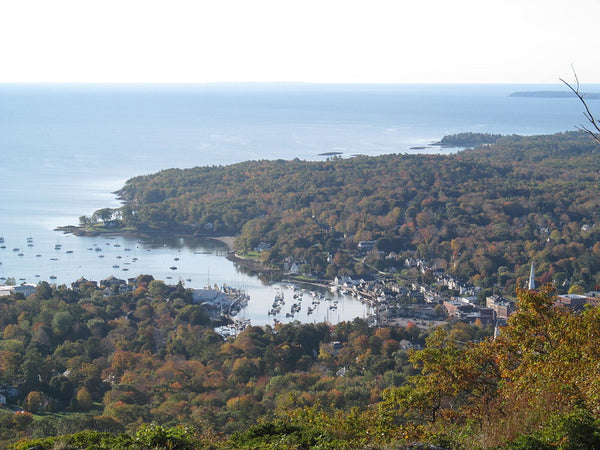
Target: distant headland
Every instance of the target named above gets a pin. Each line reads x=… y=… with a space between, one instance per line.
x=553 y=94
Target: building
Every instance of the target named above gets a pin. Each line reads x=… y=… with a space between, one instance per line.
x=531 y=284
x=83 y=283
x=366 y=246
x=574 y=302
x=25 y=289
x=502 y=306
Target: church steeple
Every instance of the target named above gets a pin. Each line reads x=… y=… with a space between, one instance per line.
x=531 y=285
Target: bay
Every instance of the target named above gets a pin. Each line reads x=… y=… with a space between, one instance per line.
x=66 y=148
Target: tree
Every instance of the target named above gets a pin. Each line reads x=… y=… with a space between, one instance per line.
x=84 y=221
x=22 y=419
x=33 y=402
x=576 y=289
x=84 y=399
x=158 y=289
x=595 y=133
x=536 y=369
x=104 y=214
x=62 y=322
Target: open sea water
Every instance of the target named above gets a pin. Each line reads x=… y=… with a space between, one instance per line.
x=65 y=148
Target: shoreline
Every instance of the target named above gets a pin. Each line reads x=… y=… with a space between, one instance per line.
x=228 y=240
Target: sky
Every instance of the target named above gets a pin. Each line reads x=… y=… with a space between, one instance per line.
x=317 y=41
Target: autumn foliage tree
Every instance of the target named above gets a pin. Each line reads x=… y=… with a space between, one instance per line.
x=535 y=373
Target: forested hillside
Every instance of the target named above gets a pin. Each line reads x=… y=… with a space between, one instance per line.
x=90 y=359
x=481 y=214
x=145 y=369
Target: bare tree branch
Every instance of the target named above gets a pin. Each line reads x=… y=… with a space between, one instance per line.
x=587 y=113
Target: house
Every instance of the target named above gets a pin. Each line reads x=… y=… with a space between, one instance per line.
x=485 y=315
x=410 y=263
x=574 y=302
x=345 y=281
x=407 y=345
x=502 y=306
x=262 y=246
x=25 y=289
x=470 y=300
x=83 y=283
x=5 y=291
x=113 y=284
x=294 y=269
x=112 y=223
x=10 y=393
x=458 y=309
x=112 y=281
x=366 y=246
x=206 y=295
x=341 y=372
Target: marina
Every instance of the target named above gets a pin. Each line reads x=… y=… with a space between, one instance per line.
x=200 y=263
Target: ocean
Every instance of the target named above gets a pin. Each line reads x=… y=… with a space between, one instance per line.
x=66 y=148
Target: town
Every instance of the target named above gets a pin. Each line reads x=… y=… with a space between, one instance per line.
x=441 y=300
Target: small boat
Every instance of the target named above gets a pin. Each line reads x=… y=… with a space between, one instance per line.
x=173 y=268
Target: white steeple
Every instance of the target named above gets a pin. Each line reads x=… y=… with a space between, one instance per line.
x=531 y=285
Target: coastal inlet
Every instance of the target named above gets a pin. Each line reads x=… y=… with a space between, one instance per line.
x=197 y=263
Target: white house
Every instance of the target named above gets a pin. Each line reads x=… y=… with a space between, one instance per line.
x=25 y=289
